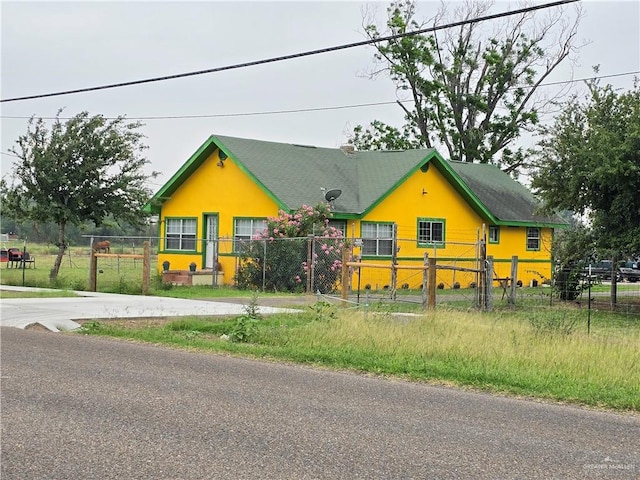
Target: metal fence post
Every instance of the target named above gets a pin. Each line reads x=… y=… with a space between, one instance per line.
x=309 y=263
x=264 y=264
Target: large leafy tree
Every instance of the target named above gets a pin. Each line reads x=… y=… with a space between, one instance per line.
x=590 y=165
x=468 y=89
x=88 y=168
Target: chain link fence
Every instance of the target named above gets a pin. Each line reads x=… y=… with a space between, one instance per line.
x=314 y=265
x=308 y=264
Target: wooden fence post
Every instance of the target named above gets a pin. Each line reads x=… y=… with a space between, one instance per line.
x=425 y=280
x=93 y=268
x=431 y=302
x=482 y=280
x=514 y=275
x=488 y=287
x=146 y=268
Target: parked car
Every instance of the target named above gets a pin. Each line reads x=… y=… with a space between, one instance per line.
x=600 y=270
x=630 y=271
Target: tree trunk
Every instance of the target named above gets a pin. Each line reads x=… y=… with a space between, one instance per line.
x=62 y=246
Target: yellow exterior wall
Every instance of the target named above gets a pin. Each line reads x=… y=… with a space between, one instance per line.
x=463 y=227
x=228 y=192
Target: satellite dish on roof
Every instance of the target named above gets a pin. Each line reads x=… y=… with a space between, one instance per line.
x=331 y=195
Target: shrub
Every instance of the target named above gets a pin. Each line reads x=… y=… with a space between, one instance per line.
x=567 y=284
x=246 y=325
x=278 y=258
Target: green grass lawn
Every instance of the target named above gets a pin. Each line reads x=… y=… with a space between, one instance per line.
x=499 y=353
x=540 y=349
x=36 y=294
x=114 y=275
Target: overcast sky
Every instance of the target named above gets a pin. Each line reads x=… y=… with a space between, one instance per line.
x=53 y=46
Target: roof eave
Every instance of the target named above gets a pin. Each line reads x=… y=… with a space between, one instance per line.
x=281 y=205
x=154 y=205
x=541 y=224
x=432 y=154
x=463 y=189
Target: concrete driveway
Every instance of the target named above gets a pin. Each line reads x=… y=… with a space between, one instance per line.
x=62 y=313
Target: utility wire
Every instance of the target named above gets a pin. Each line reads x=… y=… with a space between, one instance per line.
x=311 y=109
x=295 y=55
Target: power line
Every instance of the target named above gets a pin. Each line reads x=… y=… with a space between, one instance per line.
x=312 y=109
x=295 y=55
x=226 y=115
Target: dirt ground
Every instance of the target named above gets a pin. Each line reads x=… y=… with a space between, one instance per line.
x=145 y=322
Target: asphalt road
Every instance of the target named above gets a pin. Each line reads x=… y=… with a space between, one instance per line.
x=77 y=407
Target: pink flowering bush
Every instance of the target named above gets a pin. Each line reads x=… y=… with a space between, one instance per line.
x=285 y=266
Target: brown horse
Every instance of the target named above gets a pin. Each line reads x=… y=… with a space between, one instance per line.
x=104 y=246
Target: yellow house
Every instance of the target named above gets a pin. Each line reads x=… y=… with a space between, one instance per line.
x=226 y=190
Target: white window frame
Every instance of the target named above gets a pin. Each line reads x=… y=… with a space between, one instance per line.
x=246 y=229
x=494 y=234
x=428 y=239
x=339 y=225
x=533 y=235
x=180 y=234
x=377 y=239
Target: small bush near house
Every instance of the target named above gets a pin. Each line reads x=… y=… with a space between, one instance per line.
x=277 y=260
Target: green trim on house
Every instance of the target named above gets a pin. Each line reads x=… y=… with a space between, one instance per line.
x=292 y=175
x=400 y=181
x=164 y=236
x=204 y=234
x=539 y=238
x=461 y=187
x=154 y=205
x=531 y=224
x=523 y=260
x=459 y=259
x=247 y=172
x=497 y=229
x=441 y=244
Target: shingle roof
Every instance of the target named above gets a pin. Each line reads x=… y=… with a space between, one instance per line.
x=508 y=200
x=294 y=175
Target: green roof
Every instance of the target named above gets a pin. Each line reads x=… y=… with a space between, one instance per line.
x=294 y=175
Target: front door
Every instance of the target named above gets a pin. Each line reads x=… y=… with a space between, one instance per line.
x=211 y=252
